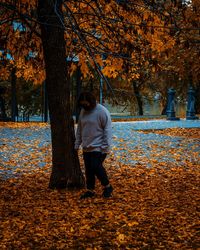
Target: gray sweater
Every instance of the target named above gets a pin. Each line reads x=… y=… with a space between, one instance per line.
x=94 y=130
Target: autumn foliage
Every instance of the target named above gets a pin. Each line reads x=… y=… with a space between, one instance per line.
x=154 y=42
x=98 y=33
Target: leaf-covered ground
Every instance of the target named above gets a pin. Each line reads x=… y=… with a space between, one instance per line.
x=182 y=132
x=156 y=207
x=177 y=146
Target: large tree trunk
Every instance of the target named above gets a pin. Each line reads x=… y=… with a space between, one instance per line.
x=66 y=172
x=78 y=91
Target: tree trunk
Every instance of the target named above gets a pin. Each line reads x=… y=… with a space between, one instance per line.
x=197 y=103
x=138 y=98
x=78 y=91
x=66 y=172
x=3 y=116
x=13 y=96
x=44 y=103
x=164 y=110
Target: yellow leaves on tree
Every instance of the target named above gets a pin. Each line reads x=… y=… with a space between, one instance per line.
x=4 y=73
x=98 y=28
x=28 y=72
x=112 y=67
x=183 y=57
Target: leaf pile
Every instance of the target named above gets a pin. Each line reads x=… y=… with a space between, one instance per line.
x=182 y=132
x=151 y=208
x=22 y=125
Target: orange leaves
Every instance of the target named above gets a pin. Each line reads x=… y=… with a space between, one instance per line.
x=99 y=60
x=185 y=47
x=21 y=41
x=133 y=223
x=84 y=69
x=4 y=73
x=121 y=238
x=152 y=207
x=113 y=67
x=103 y=27
x=183 y=132
x=108 y=8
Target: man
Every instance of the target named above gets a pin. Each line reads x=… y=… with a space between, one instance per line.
x=94 y=133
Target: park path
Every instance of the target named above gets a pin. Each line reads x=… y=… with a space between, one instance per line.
x=133 y=146
x=29 y=147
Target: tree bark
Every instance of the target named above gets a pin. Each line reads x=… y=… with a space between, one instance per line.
x=44 y=103
x=66 y=172
x=138 y=98
x=13 y=96
x=78 y=91
x=3 y=116
x=197 y=103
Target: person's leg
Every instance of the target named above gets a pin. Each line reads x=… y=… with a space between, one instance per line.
x=97 y=162
x=89 y=170
x=89 y=174
x=94 y=166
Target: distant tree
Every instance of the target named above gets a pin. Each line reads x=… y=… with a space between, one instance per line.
x=179 y=66
x=3 y=115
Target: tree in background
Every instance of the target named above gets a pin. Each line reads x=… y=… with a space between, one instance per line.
x=179 y=66
x=28 y=96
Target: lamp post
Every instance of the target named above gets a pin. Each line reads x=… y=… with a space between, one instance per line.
x=190 y=113
x=171 y=105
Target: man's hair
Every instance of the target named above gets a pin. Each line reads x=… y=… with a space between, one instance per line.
x=87 y=96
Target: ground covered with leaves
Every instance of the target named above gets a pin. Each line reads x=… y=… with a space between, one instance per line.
x=182 y=132
x=155 y=207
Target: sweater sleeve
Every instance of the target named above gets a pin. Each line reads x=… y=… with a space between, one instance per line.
x=107 y=132
x=78 y=140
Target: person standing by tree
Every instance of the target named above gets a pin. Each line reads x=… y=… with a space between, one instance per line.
x=94 y=133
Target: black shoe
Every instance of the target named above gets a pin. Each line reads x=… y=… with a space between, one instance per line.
x=107 y=192
x=87 y=194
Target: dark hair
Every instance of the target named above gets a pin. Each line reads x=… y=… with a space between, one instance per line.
x=87 y=96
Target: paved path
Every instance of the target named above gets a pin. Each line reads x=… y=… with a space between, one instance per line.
x=161 y=124
x=26 y=146
x=134 y=147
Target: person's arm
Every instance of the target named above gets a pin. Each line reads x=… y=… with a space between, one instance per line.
x=107 y=132
x=78 y=140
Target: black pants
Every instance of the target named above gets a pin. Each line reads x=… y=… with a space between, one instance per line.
x=94 y=167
